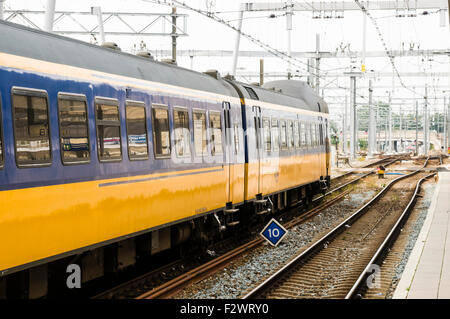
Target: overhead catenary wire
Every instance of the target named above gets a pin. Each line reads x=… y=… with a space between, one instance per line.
x=282 y=55
x=383 y=42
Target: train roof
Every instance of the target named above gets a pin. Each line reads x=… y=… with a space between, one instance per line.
x=299 y=90
x=27 y=42
x=291 y=93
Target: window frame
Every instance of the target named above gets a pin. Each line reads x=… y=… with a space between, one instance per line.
x=303 y=140
x=162 y=107
x=16 y=90
x=264 y=134
x=290 y=134
x=201 y=111
x=313 y=134
x=236 y=138
x=73 y=97
x=184 y=109
x=272 y=129
x=135 y=103
x=285 y=147
x=297 y=142
x=211 y=133
x=110 y=102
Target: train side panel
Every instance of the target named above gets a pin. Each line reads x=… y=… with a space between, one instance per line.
x=47 y=211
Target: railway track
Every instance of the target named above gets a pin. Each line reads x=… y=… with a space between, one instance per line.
x=339 y=264
x=173 y=286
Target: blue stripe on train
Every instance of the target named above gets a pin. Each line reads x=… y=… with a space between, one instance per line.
x=12 y=177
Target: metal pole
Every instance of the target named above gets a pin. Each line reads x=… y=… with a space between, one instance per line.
x=378 y=128
x=344 y=131
x=98 y=12
x=425 y=124
x=390 y=149
x=49 y=15
x=236 y=44
x=416 y=151
x=317 y=62
x=386 y=124
x=1 y=9
x=289 y=11
x=372 y=122
x=400 y=148
x=352 y=117
x=310 y=72
x=363 y=58
x=445 y=125
x=261 y=72
x=174 y=34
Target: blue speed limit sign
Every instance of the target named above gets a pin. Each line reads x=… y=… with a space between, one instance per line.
x=273 y=232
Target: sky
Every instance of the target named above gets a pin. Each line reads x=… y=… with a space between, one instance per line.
x=422 y=31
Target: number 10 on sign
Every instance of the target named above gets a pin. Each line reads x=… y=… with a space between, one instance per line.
x=273 y=232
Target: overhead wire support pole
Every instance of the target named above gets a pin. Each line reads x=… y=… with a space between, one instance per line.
x=425 y=124
x=345 y=126
x=364 y=30
x=174 y=34
x=353 y=119
x=236 y=43
x=289 y=13
x=49 y=15
x=1 y=9
x=445 y=125
x=372 y=123
x=390 y=149
x=98 y=11
x=416 y=151
x=317 y=85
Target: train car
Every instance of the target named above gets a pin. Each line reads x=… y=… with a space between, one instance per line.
x=107 y=158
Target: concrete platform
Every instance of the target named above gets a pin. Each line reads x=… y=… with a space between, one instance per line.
x=427 y=273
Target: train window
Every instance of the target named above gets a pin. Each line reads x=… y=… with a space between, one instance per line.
x=216 y=132
x=31 y=127
x=275 y=135
x=251 y=92
x=283 y=138
x=161 y=132
x=1 y=135
x=296 y=135
x=321 y=133
x=181 y=132
x=136 y=130
x=317 y=135
x=290 y=134
x=308 y=134
x=267 y=137
x=200 y=138
x=303 y=134
x=73 y=128
x=108 y=130
x=236 y=138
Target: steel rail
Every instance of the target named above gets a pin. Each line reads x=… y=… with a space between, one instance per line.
x=173 y=286
x=359 y=288
x=325 y=240
x=170 y=287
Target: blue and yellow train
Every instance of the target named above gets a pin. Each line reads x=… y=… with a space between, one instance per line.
x=106 y=157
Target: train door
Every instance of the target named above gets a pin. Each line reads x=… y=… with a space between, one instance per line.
x=258 y=144
x=319 y=146
x=229 y=158
x=327 y=149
